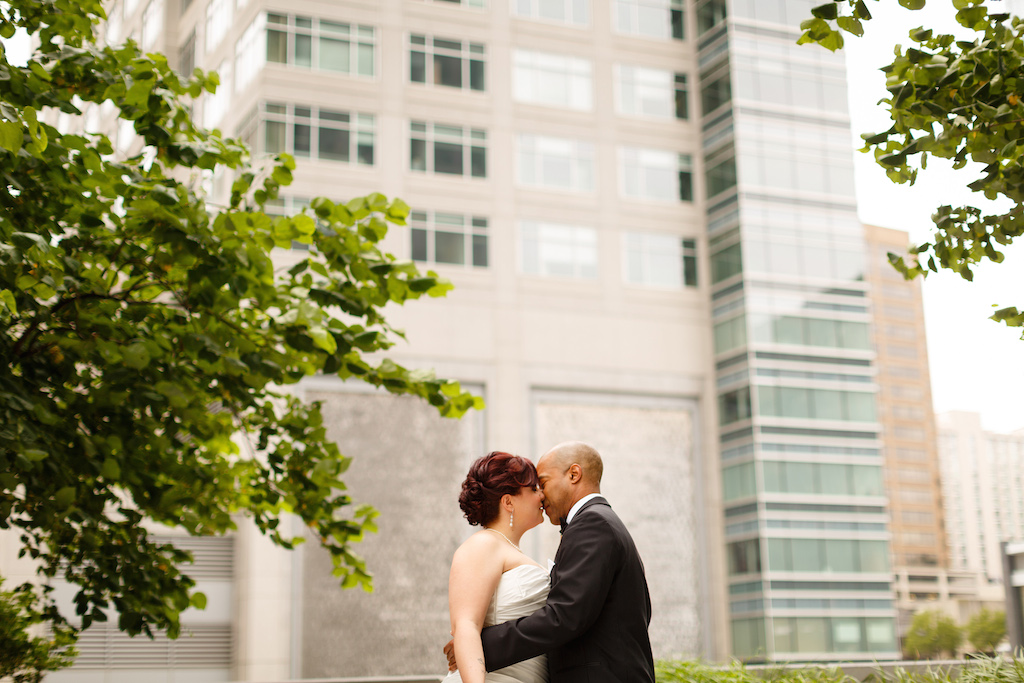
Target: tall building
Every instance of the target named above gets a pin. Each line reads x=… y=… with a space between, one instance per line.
x=806 y=518
x=983 y=489
x=905 y=407
x=647 y=209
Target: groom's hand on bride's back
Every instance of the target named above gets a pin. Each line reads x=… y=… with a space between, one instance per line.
x=449 y=652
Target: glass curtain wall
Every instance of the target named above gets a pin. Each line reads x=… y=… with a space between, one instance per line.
x=807 y=538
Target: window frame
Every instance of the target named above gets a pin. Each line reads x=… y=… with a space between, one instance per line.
x=631 y=166
x=360 y=127
x=468 y=54
x=570 y=10
x=474 y=231
x=633 y=6
x=582 y=162
x=430 y=137
x=649 y=246
x=574 y=245
x=358 y=36
x=575 y=77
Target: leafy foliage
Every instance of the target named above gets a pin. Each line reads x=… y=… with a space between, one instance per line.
x=931 y=633
x=150 y=342
x=25 y=658
x=986 y=629
x=954 y=99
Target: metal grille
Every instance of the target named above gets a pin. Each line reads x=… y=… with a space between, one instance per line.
x=199 y=647
x=214 y=556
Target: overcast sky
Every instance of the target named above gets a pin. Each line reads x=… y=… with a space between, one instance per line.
x=976 y=363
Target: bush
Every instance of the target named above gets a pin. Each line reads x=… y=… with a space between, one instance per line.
x=986 y=629
x=931 y=634
x=25 y=658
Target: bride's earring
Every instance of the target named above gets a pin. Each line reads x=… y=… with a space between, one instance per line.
x=510 y=516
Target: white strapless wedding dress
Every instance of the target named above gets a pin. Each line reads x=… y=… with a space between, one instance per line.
x=521 y=591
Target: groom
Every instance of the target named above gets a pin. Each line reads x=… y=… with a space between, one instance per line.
x=594 y=625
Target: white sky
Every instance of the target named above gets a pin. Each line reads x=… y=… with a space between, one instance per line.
x=976 y=363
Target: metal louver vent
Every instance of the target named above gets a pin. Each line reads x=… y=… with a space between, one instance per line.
x=214 y=556
x=199 y=647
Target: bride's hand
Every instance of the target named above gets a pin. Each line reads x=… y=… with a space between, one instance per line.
x=449 y=652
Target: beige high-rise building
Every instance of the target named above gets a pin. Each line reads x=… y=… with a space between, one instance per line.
x=905 y=407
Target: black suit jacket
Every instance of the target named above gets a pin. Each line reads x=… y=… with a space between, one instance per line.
x=594 y=625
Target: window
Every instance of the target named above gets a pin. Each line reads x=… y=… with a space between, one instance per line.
x=789 y=329
x=449 y=238
x=575 y=12
x=453 y=63
x=311 y=133
x=738 y=482
x=452 y=150
x=320 y=44
x=552 y=80
x=652 y=92
x=651 y=18
x=709 y=15
x=187 y=56
x=152 y=25
x=821 y=555
x=816 y=404
x=826 y=479
x=726 y=263
x=721 y=177
x=556 y=163
x=734 y=406
x=744 y=557
x=218 y=21
x=656 y=174
x=467 y=3
x=558 y=250
x=715 y=94
x=657 y=260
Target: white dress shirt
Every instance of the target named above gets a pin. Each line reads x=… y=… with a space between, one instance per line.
x=579 y=503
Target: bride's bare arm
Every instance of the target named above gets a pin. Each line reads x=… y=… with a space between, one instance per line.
x=476 y=570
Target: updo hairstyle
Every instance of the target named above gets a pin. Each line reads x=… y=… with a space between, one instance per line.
x=491 y=477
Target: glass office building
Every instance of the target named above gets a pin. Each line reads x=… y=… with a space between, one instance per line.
x=806 y=533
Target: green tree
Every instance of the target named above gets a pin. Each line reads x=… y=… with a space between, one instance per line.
x=931 y=634
x=25 y=658
x=149 y=343
x=986 y=629
x=954 y=99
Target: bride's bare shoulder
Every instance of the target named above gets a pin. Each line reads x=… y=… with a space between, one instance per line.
x=478 y=543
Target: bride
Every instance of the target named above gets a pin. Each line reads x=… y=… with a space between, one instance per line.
x=491 y=579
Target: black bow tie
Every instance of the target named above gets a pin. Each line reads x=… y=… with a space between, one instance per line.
x=561 y=525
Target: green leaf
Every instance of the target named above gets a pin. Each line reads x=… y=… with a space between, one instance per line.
x=829 y=10
x=111 y=469
x=913 y=4
x=8 y=301
x=851 y=25
x=64 y=497
x=323 y=339
x=197 y=600
x=136 y=356
x=11 y=136
x=34 y=454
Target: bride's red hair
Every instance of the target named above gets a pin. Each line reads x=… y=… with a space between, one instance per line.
x=491 y=477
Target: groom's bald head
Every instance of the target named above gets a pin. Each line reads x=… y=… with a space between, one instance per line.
x=569 y=453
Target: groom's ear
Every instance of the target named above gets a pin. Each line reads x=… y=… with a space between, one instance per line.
x=575 y=473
